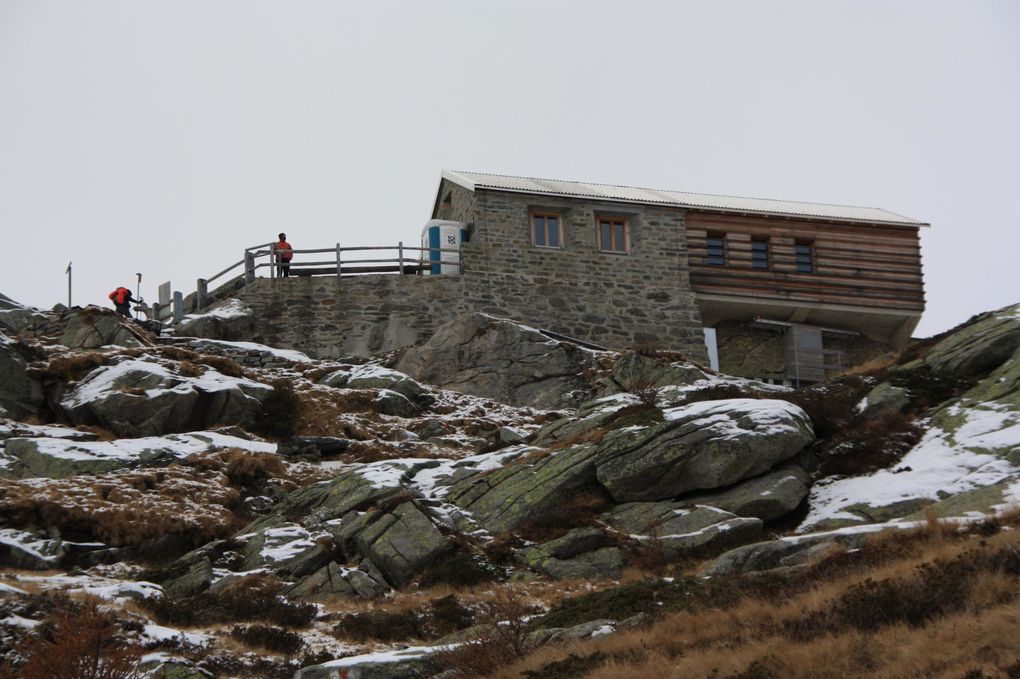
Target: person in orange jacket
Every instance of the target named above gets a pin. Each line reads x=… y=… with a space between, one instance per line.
x=284 y=253
x=122 y=300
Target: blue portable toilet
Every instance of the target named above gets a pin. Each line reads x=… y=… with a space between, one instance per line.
x=440 y=233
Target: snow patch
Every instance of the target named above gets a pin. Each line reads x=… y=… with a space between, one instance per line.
x=941 y=463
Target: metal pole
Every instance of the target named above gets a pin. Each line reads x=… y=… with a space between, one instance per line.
x=338 y=262
x=400 y=256
x=138 y=292
x=68 y=272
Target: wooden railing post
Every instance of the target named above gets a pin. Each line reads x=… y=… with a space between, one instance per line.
x=338 y=262
x=200 y=294
x=400 y=257
x=272 y=261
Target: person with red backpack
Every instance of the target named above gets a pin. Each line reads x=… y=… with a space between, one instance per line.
x=122 y=300
x=284 y=253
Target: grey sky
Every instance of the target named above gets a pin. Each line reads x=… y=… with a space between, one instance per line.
x=164 y=137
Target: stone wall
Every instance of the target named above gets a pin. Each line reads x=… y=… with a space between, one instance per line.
x=640 y=298
x=358 y=316
x=760 y=353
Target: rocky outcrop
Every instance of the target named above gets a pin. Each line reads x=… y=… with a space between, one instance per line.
x=506 y=498
x=135 y=397
x=401 y=543
x=336 y=580
x=499 y=359
x=680 y=530
x=981 y=346
x=20 y=395
x=702 y=446
x=92 y=328
x=229 y=320
x=581 y=553
x=784 y=553
x=764 y=497
x=73 y=452
x=406 y=663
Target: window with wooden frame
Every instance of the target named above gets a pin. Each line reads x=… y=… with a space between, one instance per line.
x=546 y=229
x=759 y=253
x=715 y=244
x=613 y=236
x=804 y=256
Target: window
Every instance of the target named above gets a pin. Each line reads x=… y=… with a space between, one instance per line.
x=716 y=243
x=545 y=230
x=612 y=234
x=760 y=253
x=804 y=257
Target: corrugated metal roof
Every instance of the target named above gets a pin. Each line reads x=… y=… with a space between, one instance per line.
x=705 y=201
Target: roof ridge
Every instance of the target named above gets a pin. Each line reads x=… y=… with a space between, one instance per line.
x=689 y=193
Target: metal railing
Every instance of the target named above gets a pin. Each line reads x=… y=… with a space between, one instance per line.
x=343 y=261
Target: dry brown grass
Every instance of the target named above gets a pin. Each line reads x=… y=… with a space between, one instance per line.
x=72 y=366
x=925 y=603
x=124 y=509
x=874 y=366
x=189 y=369
x=321 y=412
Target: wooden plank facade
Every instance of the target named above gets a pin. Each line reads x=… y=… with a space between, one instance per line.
x=858 y=276
x=851 y=264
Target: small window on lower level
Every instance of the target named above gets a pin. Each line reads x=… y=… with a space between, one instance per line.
x=545 y=229
x=613 y=236
x=804 y=256
x=716 y=243
x=760 y=253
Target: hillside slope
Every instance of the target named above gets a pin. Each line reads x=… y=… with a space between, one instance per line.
x=242 y=510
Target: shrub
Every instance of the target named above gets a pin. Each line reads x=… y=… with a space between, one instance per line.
x=576 y=510
x=252 y=598
x=934 y=589
x=244 y=468
x=927 y=387
x=867 y=445
x=642 y=414
x=570 y=667
x=435 y=619
x=719 y=393
x=279 y=413
x=81 y=642
x=830 y=405
x=269 y=638
x=462 y=569
x=502 y=640
x=622 y=602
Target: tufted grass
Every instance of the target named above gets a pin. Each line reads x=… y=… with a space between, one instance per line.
x=941 y=600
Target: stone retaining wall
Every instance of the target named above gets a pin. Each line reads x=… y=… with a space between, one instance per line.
x=641 y=298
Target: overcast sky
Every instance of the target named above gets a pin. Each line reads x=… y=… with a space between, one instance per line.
x=165 y=137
